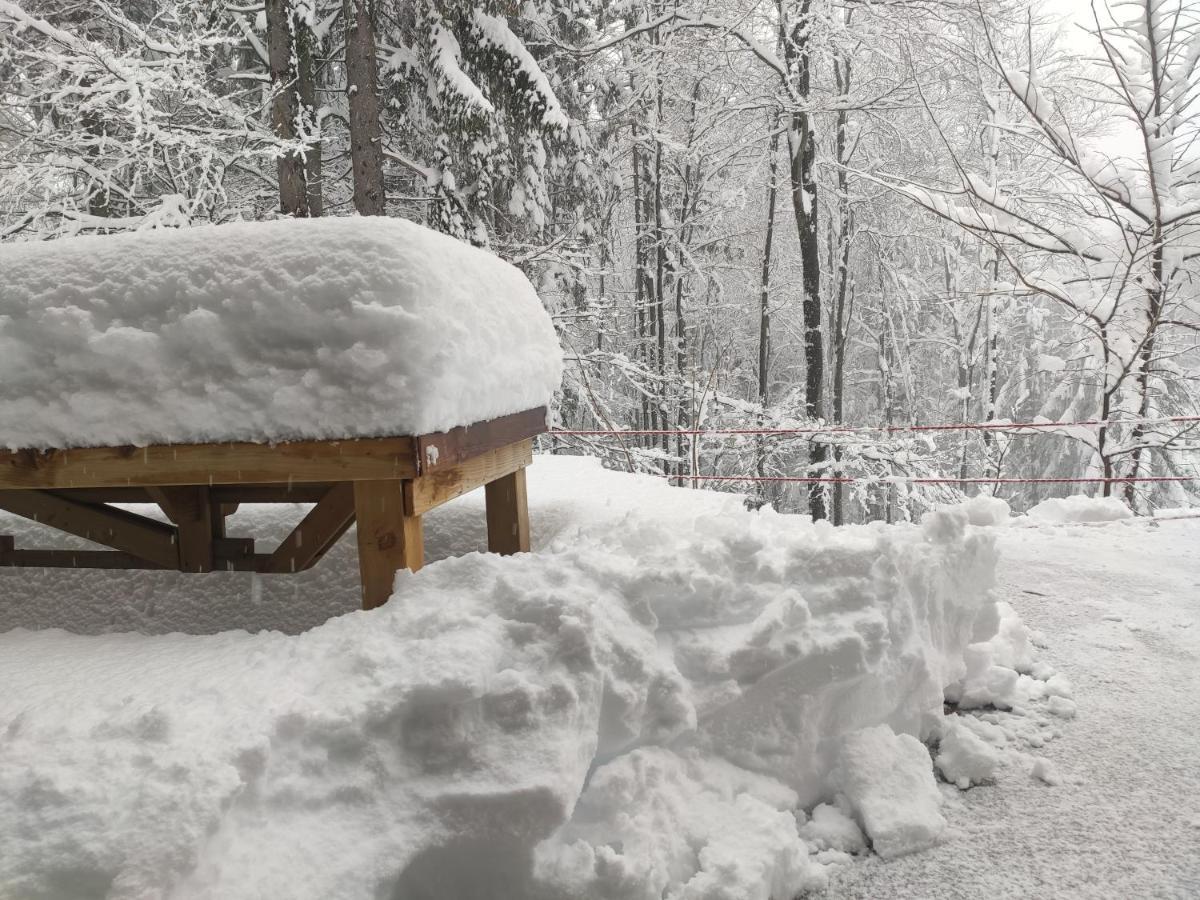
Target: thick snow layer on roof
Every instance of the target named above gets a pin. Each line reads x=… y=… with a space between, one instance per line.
x=264 y=331
x=641 y=708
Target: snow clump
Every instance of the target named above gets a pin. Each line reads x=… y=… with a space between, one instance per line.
x=964 y=758
x=832 y=827
x=888 y=781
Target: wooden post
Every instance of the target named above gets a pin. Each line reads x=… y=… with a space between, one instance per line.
x=508 y=514
x=388 y=540
x=192 y=512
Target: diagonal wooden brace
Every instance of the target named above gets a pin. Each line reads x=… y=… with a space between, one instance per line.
x=116 y=528
x=316 y=533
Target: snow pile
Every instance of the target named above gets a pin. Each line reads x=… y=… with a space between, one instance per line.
x=1078 y=508
x=638 y=709
x=995 y=666
x=1008 y=703
x=983 y=510
x=264 y=331
x=655 y=824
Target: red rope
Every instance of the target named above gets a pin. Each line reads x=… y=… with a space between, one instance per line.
x=882 y=429
x=935 y=480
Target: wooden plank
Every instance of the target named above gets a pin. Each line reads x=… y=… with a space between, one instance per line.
x=508 y=514
x=446 y=449
x=116 y=528
x=232 y=554
x=388 y=540
x=306 y=492
x=74 y=559
x=231 y=496
x=294 y=462
x=210 y=464
x=424 y=493
x=316 y=533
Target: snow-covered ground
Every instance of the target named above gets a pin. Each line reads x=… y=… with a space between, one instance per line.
x=672 y=697
x=1118 y=605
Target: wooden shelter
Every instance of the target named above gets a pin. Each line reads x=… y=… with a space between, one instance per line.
x=384 y=484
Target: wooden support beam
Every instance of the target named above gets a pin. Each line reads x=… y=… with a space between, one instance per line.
x=73 y=559
x=446 y=449
x=309 y=492
x=233 y=464
x=270 y=493
x=116 y=528
x=235 y=555
x=424 y=493
x=179 y=504
x=210 y=464
x=230 y=497
x=232 y=554
x=388 y=539
x=107 y=495
x=508 y=514
x=316 y=533
x=191 y=509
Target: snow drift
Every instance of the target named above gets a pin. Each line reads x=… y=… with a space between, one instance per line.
x=637 y=710
x=264 y=331
x=1079 y=509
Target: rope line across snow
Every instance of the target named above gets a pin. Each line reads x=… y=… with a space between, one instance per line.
x=874 y=429
x=893 y=479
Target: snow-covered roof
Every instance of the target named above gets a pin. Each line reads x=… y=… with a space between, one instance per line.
x=264 y=331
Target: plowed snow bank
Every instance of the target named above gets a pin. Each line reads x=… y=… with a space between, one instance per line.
x=635 y=710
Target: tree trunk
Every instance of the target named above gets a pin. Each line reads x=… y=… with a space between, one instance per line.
x=764 y=309
x=662 y=400
x=307 y=87
x=366 y=149
x=841 y=325
x=285 y=106
x=1154 y=304
x=692 y=180
x=802 y=147
x=640 y=277
x=992 y=367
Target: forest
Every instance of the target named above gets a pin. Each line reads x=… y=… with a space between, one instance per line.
x=790 y=247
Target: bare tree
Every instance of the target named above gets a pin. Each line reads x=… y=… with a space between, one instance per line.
x=1113 y=244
